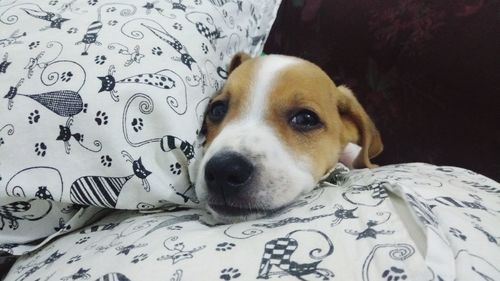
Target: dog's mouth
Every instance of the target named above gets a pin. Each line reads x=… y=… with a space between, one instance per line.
x=240 y=211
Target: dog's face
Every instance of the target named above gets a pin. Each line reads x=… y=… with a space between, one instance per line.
x=277 y=126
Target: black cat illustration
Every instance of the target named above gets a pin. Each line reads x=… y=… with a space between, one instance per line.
x=90 y=37
x=17 y=211
x=290 y=220
x=151 y=6
x=165 y=36
x=113 y=276
x=82 y=273
x=33 y=268
x=104 y=191
x=13 y=39
x=366 y=195
x=65 y=136
x=55 y=20
x=134 y=56
x=35 y=62
x=206 y=27
x=220 y=3
x=178 y=251
x=279 y=252
x=370 y=232
x=188 y=194
x=178 y=5
x=5 y=63
x=65 y=103
x=160 y=79
x=343 y=214
x=167 y=143
x=139 y=170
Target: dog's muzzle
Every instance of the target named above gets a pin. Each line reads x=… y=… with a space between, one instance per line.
x=229 y=177
x=228 y=172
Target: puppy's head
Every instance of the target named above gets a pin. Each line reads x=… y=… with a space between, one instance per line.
x=277 y=126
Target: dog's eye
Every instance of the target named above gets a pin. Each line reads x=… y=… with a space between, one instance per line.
x=217 y=111
x=305 y=120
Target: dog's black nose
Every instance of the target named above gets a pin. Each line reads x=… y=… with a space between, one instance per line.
x=228 y=172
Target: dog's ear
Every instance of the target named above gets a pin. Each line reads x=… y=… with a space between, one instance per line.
x=237 y=59
x=358 y=128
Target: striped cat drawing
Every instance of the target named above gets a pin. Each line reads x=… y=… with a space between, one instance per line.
x=104 y=191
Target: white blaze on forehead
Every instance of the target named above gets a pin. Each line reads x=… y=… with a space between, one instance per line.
x=266 y=72
x=282 y=174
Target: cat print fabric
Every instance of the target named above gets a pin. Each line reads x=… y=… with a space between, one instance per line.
x=346 y=229
x=101 y=102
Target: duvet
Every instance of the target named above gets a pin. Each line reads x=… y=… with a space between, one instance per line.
x=346 y=229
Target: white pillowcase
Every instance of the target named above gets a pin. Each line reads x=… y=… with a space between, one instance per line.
x=104 y=99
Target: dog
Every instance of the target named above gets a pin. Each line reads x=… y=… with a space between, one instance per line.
x=278 y=125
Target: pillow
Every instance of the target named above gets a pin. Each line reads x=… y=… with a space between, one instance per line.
x=103 y=101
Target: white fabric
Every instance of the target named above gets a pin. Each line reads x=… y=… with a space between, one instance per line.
x=102 y=101
x=457 y=210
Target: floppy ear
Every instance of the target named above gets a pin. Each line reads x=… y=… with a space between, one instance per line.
x=358 y=128
x=237 y=59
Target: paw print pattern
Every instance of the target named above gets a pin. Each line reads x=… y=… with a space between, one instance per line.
x=157 y=51
x=317 y=207
x=40 y=149
x=175 y=168
x=72 y=30
x=66 y=76
x=85 y=107
x=92 y=2
x=62 y=227
x=34 y=45
x=100 y=60
x=139 y=258
x=2 y=141
x=137 y=124
x=74 y=259
x=112 y=22
x=53 y=2
x=177 y=26
x=106 y=160
x=82 y=240
x=229 y=273
x=204 y=48
x=457 y=233
x=101 y=118
x=224 y=246
x=110 y=9
x=394 y=274
x=34 y=117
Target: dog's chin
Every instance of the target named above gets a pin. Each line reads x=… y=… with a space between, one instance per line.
x=228 y=214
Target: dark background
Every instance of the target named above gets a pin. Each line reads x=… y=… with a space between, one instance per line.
x=427 y=72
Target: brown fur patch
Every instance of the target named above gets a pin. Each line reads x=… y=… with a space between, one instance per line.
x=236 y=93
x=306 y=86
x=302 y=86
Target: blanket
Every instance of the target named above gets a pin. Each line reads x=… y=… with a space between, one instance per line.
x=346 y=229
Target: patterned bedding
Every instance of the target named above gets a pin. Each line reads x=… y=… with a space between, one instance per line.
x=346 y=229
x=101 y=102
